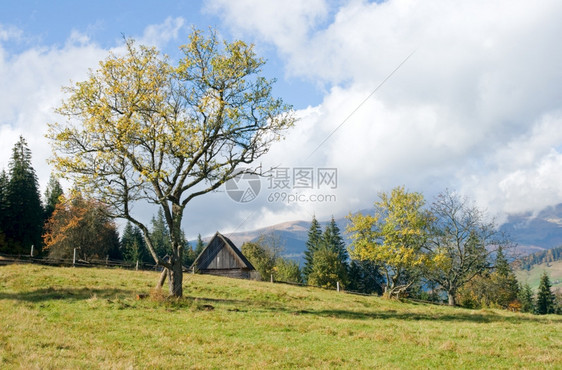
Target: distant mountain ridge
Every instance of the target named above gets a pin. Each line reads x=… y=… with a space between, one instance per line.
x=293 y=236
x=531 y=233
x=535 y=233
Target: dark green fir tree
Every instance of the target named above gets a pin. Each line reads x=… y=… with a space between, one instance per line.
x=23 y=222
x=133 y=245
x=52 y=196
x=545 y=298
x=3 y=209
x=505 y=281
x=332 y=240
x=199 y=246
x=312 y=245
x=526 y=298
x=160 y=235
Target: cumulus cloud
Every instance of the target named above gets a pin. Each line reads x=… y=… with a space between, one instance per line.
x=476 y=107
x=524 y=174
x=285 y=24
x=160 y=34
x=33 y=79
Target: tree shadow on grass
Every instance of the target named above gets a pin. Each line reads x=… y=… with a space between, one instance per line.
x=245 y=305
x=457 y=314
x=460 y=316
x=53 y=294
x=226 y=301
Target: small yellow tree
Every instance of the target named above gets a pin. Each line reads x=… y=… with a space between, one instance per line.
x=395 y=238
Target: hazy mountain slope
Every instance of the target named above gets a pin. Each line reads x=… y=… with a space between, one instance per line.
x=534 y=233
x=531 y=233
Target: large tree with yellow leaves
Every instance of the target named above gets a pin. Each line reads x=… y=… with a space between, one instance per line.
x=142 y=128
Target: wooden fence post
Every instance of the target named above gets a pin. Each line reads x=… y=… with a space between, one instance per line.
x=137 y=266
x=74 y=259
x=338 y=285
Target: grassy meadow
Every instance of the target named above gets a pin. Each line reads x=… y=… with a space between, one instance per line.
x=52 y=317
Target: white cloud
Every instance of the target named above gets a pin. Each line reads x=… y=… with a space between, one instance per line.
x=284 y=23
x=33 y=79
x=525 y=173
x=160 y=34
x=475 y=108
x=9 y=33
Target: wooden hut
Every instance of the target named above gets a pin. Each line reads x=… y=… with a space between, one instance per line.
x=221 y=257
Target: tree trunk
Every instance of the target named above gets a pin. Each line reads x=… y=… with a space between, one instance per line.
x=452 y=299
x=176 y=278
x=176 y=273
x=386 y=293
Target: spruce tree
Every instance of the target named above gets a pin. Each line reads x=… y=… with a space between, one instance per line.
x=188 y=252
x=332 y=240
x=502 y=266
x=132 y=244
x=365 y=277
x=545 y=298
x=193 y=252
x=52 y=196
x=327 y=269
x=199 y=246
x=160 y=235
x=312 y=245
x=526 y=298
x=505 y=281
x=24 y=216
x=3 y=208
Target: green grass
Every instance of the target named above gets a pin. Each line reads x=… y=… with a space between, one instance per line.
x=533 y=276
x=83 y=318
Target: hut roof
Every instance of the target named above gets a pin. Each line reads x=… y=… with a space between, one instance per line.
x=216 y=245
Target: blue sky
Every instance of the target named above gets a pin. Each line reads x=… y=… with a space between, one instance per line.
x=50 y=24
x=477 y=108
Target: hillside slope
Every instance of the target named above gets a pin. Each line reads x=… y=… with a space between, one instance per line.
x=533 y=276
x=83 y=318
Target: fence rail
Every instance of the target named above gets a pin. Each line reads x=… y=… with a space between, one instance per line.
x=6 y=259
